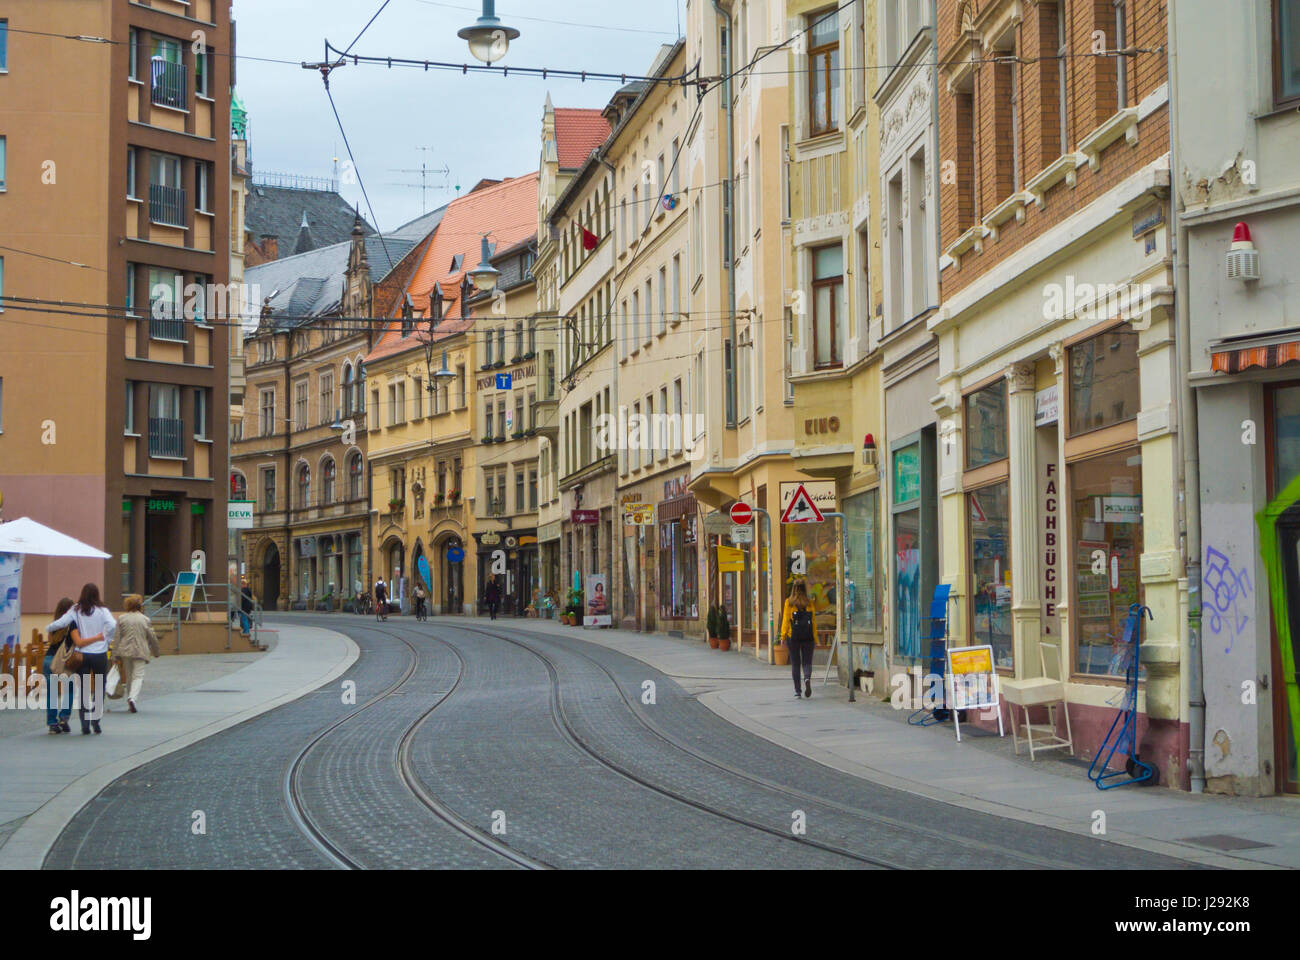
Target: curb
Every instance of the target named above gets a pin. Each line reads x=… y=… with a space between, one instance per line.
x=29 y=845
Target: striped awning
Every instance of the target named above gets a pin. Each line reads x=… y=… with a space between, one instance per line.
x=1266 y=357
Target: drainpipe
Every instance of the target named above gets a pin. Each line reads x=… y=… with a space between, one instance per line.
x=724 y=12
x=614 y=363
x=1190 y=467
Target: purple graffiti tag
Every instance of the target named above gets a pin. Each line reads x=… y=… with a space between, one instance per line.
x=1222 y=587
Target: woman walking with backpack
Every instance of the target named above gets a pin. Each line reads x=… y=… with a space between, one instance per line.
x=798 y=630
x=96 y=627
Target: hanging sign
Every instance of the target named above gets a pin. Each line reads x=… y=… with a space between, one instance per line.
x=585 y=517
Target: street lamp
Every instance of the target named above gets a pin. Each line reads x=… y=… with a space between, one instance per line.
x=435 y=318
x=488 y=37
x=485 y=276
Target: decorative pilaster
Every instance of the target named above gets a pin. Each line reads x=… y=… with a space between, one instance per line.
x=1026 y=610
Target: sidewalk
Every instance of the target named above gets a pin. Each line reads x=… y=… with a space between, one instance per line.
x=45 y=780
x=871 y=740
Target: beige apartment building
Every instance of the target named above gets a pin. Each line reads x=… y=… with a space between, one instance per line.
x=114 y=185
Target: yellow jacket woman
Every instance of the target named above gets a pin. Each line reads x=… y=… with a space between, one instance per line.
x=799 y=632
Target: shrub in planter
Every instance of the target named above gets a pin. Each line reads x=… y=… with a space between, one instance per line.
x=711 y=622
x=724 y=629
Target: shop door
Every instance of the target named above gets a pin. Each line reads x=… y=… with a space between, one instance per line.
x=271 y=579
x=1288 y=535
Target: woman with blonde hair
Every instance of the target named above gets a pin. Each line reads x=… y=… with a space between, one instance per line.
x=798 y=630
x=135 y=646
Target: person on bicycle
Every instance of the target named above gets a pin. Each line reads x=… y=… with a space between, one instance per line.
x=381 y=599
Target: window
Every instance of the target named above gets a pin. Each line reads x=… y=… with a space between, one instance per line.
x=663 y=299
x=744 y=186
x=1121 y=61
x=355 y=472
x=3 y=141
x=200 y=415
x=519 y=414
x=374 y=409
x=304 y=487
x=130 y=174
x=677 y=289
x=989 y=534
x=128 y=426
x=744 y=374
x=166 y=195
x=862 y=581
x=1106 y=495
x=238 y=487
x=327 y=479
x=788 y=368
x=1063 y=56
x=266 y=418
x=1286 y=50
x=785 y=172
x=167 y=74
x=327 y=410
x=488 y=411
x=166 y=313
x=202 y=186
x=532 y=489
x=677 y=167
x=133 y=55
x=349 y=393
x=986 y=425
x=418 y=396
x=166 y=428
x=202 y=71
x=521 y=503
x=697 y=238
x=300 y=406
x=268 y=491
x=649 y=308
x=917 y=235
x=828 y=287
x=824 y=93
x=1104 y=381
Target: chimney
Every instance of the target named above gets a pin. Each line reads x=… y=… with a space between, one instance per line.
x=271 y=246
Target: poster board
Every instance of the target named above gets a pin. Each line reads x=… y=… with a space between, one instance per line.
x=597 y=613
x=183 y=595
x=972 y=683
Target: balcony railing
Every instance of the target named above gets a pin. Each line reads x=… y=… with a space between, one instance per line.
x=166 y=438
x=169 y=83
x=167 y=205
x=165 y=325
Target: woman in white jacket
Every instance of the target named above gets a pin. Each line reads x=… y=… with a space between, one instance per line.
x=96 y=626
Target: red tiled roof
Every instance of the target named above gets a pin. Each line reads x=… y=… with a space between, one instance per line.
x=507 y=211
x=577 y=133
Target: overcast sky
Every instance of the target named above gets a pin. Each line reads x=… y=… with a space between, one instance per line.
x=477 y=125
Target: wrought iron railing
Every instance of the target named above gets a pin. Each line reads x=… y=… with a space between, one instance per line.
x=164 y=324
x=166 y=437
x=167 y=205
x=169 y=83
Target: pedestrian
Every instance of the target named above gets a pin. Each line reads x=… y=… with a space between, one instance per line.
x=420 y=597
x=58 y=708
x=799 y=633
x=135 y=645
x=245 y=606
x=492 y=596
x=381 y=599
x=95 y=626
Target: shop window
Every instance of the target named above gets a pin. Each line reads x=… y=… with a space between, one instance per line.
x=1286 y=431
x=1286 y=66
x=986 y=425
x=914 y=513
x=990 y=564
x=1104 y=381
x=1106 y=496
x=679 y=569
x=862 y=519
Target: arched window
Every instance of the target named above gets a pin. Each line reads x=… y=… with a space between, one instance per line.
x=328 y=474
x=355 y=471
x=238 y=487
x=348 y=383
x=304 y=486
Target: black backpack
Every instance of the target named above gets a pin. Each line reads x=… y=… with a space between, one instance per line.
x=801 y=624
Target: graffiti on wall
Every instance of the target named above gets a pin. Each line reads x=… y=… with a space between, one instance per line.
x=1225 y=592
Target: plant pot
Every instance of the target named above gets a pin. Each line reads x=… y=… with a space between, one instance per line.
x=781 y=655
x=713 y=642
x=724 y=643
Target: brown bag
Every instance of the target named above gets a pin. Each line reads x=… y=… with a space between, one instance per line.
x=63 y=649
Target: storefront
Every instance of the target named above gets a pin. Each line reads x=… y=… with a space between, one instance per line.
x=512 y=559
x=678 y=593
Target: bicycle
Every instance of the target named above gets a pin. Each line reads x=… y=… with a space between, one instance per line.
x=364 y=605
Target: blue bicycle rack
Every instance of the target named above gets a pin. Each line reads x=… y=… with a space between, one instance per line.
x=1135 y=770
x=938 y=637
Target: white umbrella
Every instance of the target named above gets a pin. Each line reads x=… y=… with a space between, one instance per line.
x=29 y=537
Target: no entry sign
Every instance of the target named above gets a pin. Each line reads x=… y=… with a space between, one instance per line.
x=741 y=513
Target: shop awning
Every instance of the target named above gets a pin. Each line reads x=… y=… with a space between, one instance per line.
x=1266 y=353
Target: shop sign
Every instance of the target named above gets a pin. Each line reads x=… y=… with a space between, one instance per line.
x=730 y=560
x=638 y=514
x=549 y=532
x=490 y=539
x=527 y=541
x=1051 y=504
x=821 y=492
x=820 y=426
x=159 y=505
x=585 y=517
x=675 y=489
x=241 y=514
x=1047 y=406
x=1120 y=509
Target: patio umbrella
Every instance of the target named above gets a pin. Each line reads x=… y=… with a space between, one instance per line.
x=28 y=536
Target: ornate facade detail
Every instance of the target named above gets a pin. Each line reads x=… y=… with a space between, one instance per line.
x=1021 y=378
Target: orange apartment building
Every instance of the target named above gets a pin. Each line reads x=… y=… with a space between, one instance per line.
x=114 y=194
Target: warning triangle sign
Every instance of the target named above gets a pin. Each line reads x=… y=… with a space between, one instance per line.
x=802 y=509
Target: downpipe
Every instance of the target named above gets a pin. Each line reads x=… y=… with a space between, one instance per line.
x=730 y=414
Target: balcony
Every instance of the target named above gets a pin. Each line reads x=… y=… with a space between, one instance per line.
x=169 y=83
x=163 y=325
x=167 y=205
x=167 y=438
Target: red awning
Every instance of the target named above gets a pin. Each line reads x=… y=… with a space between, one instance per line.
x=1265 y=357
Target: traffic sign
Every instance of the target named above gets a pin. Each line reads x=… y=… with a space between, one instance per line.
x=505 y=381
x=455 y=555
x=741 y=535
x=741 y=513
x=802 y=509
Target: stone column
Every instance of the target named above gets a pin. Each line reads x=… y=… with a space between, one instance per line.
x=1026 y=607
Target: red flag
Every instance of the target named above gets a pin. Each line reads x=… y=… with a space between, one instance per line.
x=589 y=240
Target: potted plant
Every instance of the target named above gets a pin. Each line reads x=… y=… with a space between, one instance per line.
x=455 y=496
x=724 y=629
x=487 y=440
x=394 y=505
x=438 y=498
x=711 y=622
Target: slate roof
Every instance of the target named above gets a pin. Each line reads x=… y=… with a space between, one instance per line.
x=421 y=226
x=310 y=284
x=277 y=211
x=508 y=211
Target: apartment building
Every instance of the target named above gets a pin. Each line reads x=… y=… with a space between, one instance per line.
x=1059 y=423
x=303 y=446
x=569 y=136
x=1235 y=133
x=114 y=186
x=652 y=424
x=428 y=398
x=837 y=266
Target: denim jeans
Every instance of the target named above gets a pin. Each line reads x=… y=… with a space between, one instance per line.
x=244 y=622
x=53 y=714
